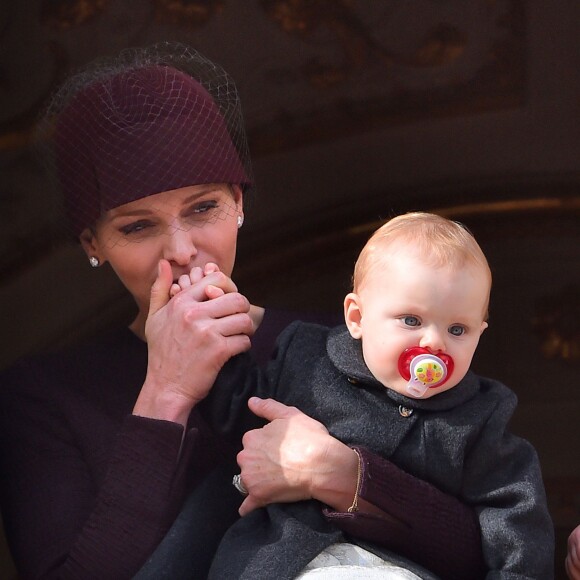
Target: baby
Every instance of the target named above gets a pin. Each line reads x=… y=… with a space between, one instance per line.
x=396 y=380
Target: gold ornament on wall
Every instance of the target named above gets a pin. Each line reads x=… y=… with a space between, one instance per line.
x=65 y=14
x=186 y=12
x=557 y=324
x=441 y=45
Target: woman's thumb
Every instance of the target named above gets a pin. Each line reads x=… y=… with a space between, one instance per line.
x=270 y=409
x=160 y=289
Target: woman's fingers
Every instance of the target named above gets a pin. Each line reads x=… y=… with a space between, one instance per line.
x=280 y=460
x=270 y=409
x=573 y=557
x=293 y=458
x=161 y=286
x=249 y=505
x=213 y=292
x=224 y=305
x=235 y=324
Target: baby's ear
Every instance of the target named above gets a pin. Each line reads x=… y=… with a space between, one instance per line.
x=484 y=325
x=353 y=314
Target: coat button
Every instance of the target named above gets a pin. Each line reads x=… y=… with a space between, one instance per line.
x=405 y=411
x=352 y=380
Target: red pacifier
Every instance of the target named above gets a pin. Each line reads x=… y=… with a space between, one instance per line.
x=424 y=370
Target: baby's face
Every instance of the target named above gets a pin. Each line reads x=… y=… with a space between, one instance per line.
x=410 y=303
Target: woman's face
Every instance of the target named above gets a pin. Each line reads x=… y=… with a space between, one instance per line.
x=188 y=227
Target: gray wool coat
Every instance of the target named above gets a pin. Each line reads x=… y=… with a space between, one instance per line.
x=457 y=440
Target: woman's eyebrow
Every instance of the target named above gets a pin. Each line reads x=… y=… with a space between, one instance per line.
x=119 y=213
x=195 y=195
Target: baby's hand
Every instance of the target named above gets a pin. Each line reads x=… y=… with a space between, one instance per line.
x=195 y=276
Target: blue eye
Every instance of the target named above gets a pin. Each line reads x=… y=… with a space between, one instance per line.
x=456 y=330
x=411 y=321
x=135 y=227
x=204 y=207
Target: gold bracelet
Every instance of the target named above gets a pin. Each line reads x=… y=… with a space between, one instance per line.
x=354 y=506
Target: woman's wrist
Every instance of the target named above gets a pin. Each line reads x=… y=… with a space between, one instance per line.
x=163 y=404
x=340 y=484
x=359 y=475
x=336 y=479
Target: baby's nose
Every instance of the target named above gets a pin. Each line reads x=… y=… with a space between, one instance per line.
x=433 y=339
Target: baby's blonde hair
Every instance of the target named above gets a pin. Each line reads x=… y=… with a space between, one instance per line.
x=440 y=241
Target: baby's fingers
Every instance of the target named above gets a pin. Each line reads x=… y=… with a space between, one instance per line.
x=184 y=281
x=210 y=268
x=196 y=275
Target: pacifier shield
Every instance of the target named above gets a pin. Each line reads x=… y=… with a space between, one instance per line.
x=427 y=373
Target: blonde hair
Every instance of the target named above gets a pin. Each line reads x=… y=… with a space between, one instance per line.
x=440 y=241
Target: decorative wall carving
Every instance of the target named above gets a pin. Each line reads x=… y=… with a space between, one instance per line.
x=330 y=67
x=65 y=14
x=556 y=324
x=387 y=63
x=189 y=13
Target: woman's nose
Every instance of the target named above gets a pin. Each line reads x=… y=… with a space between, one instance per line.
x=180 y=247
x=433 y=340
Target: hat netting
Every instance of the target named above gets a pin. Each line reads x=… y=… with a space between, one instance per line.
x=151 y=120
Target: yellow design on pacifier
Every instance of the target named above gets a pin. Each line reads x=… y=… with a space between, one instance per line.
x=427 y=371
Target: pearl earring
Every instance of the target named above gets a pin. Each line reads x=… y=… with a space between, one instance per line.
x=94 y=262
x=240 y=221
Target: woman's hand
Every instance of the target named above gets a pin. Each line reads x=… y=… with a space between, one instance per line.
x=573 y=557
x=190 y=338
x=197 y=274
x=294 y=458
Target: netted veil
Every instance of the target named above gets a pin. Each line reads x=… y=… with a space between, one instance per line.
x=149 y=120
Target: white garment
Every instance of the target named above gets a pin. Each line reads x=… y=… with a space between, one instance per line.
x=342 y=561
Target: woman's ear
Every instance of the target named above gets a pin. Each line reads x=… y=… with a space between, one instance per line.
x=238 y=197
x=353 y=314
x=90 y=245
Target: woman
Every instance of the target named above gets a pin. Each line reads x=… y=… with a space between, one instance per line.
x=100 y=445
x=572 y=561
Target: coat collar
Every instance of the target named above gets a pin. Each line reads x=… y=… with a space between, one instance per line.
x=345 y=353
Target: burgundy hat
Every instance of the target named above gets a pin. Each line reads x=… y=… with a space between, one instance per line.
x=140 y=131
